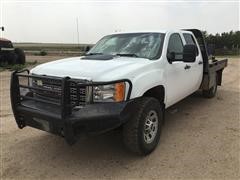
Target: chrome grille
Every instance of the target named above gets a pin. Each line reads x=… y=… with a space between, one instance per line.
x=77 y=95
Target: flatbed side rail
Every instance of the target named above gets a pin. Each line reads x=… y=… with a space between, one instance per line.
x=218 y=65
x=215 y=69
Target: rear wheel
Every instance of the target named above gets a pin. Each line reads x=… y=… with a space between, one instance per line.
x=142 y=132
x=21 y=59
x=212 y=91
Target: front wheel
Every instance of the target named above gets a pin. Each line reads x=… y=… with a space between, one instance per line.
x=11 y=58
x=142 y=132
x=21 y=59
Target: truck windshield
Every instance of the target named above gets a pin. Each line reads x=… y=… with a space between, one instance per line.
x=143 y=45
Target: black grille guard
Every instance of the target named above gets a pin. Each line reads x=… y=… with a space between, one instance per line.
x=64 y=105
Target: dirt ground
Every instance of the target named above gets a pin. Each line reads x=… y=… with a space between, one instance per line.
x=200 y=139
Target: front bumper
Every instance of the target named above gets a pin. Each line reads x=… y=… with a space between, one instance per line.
x=61 y=119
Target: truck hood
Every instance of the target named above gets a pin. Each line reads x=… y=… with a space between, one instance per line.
x=96 y=70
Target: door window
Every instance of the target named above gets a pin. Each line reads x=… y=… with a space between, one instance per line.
x=189 y=39
x=175 y=45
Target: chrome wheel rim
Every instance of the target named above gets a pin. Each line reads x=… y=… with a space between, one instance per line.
x=150 y=127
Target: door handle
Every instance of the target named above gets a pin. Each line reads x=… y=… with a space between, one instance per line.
x=200 y=62
x=187 y=67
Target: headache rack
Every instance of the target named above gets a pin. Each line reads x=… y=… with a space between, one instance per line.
x=65 y=93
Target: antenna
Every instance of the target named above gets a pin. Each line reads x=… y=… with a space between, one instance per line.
x=1 y=18
x=77 y=31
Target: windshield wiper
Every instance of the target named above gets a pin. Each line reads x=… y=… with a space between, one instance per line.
x=90 y=54
x=127 y=55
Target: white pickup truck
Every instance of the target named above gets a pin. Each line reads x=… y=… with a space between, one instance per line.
x=125 y=81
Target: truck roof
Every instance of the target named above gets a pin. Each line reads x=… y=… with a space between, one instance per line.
x=151 y=31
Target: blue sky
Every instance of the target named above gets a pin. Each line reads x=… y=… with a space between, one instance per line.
x=55 y=21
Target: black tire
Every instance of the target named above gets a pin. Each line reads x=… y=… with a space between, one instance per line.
x=11 y=58
x=212 y=91
x=21 y=59
x=134 y=129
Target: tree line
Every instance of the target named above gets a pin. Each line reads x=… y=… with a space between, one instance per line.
x=226 y=43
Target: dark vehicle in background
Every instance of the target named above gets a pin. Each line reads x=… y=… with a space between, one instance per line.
x=9 y=54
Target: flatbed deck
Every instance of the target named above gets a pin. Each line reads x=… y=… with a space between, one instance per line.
x=211 y=67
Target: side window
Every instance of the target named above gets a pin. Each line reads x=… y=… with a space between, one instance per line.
x=175 y=45
x=189 y=39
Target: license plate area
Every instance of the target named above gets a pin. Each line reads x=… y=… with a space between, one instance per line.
x=39 y=124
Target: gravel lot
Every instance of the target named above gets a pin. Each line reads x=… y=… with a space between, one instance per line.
x=200 y=139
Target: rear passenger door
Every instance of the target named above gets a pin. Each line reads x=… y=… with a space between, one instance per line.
x=196 y=68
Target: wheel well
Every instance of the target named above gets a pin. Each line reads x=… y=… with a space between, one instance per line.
x=157 y=92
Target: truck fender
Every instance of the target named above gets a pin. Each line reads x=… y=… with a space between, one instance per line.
x=149 y=82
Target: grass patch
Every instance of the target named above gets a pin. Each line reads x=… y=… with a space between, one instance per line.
x=16 y=67
x=232 y=57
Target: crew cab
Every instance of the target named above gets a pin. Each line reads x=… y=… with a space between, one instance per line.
x=125 y=81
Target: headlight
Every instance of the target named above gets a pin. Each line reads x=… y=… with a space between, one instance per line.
x=109 y=93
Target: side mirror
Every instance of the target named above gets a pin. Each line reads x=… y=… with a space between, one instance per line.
x=189 y=53
x=171 y=57
x=87 y=49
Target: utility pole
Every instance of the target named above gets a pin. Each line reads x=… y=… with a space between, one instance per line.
x=2 y=29
x=77 y=31
x=1 y=18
